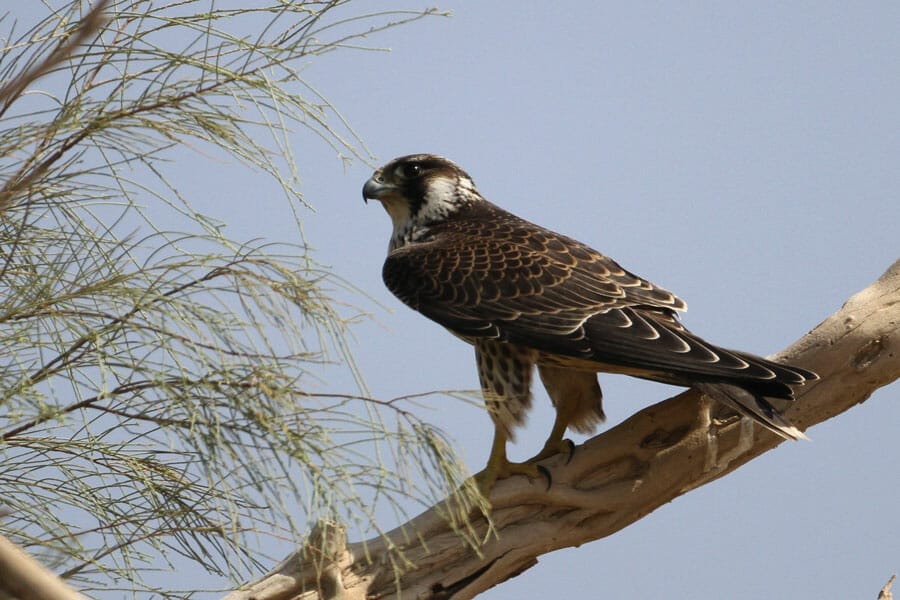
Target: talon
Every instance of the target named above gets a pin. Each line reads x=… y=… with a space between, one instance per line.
x=554 y=447
x=570 y=449
x=486 y=479
x=546 y=473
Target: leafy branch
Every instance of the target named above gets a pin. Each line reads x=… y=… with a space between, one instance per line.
x=160 y=387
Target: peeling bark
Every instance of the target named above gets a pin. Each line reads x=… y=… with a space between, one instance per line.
x=613 y=479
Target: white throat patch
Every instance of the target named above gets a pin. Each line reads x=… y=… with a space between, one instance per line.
x=445 y=195
x=398 y=210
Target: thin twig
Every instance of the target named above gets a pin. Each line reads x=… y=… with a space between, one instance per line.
x=88 y=26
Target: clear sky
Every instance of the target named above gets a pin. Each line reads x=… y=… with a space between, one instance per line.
x=743 y=155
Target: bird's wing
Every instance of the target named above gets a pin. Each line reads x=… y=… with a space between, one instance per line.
x=478 y=278
x=517 y=282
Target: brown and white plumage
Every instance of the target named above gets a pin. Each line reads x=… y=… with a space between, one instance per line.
x=525 y=296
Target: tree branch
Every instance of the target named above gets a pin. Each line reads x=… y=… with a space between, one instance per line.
x=885 y=593
x=613 y=479
x=23 y=578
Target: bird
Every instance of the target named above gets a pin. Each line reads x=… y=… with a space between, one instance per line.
x=525 y=296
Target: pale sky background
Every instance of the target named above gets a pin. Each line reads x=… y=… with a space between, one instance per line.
x=743 y=155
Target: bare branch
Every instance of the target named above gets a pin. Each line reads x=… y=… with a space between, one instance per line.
x=613 y=480
x=885 y=593
x=22 y=577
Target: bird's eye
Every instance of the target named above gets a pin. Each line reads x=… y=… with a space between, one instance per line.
x=409 y=170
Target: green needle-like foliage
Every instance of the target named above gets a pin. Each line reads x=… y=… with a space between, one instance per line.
x=160 y=387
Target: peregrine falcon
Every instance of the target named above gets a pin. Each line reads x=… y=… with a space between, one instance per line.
x=525 y=296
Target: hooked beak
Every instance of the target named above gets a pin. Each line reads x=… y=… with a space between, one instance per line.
x=376 y=188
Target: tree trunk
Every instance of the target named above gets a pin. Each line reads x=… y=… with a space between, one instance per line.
x=613 y=479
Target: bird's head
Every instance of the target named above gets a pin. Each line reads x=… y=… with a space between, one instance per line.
x=419 y=190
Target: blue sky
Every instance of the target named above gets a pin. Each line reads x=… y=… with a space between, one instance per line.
x=743 y=155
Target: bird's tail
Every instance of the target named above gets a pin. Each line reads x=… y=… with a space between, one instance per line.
x=752 y=405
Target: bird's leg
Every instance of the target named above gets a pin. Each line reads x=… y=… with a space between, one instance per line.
x=578 y=402
x=556 y=443
x=504 y=371
x=499 y=466
x=495 y=465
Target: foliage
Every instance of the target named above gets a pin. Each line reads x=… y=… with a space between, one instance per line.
x=160 y=381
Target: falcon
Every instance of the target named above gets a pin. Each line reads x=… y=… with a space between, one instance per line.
x=525 y=296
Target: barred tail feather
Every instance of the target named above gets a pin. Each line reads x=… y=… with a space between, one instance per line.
x=754 y=406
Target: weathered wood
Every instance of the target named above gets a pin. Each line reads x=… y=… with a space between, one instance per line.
x=23 y=578
x=613 y=479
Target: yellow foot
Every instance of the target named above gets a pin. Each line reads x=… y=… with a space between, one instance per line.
x=552 y=448
x=501 y=470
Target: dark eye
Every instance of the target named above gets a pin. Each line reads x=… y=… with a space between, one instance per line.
x=409 y=170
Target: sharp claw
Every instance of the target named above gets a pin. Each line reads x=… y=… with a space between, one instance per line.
x=570 y=446
x=546 y=473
